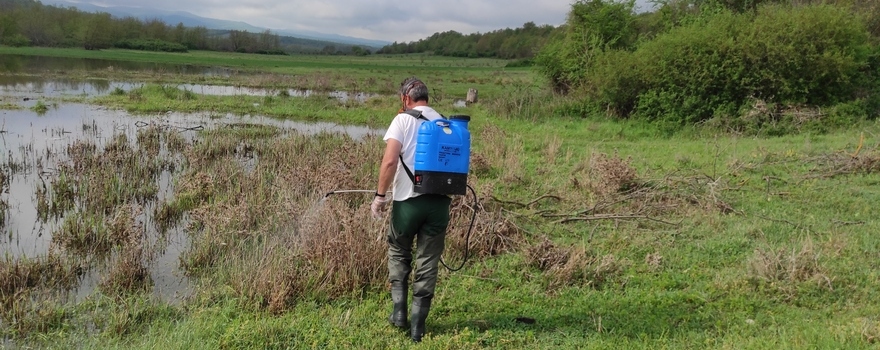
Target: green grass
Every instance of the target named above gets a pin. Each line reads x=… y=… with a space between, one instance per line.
x=769 y=242
x=9 y=106
x=703 y=295
x=450 y=77
x=159 y=98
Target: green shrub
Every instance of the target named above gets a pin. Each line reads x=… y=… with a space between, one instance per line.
x=522 y=62
x=798 y=56
x=593 y=26
x=16 y=40
x=150 y=45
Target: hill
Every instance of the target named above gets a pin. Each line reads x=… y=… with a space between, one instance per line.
x=192 y=20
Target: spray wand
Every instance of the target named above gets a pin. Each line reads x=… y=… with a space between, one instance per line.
x=467 y=239
x=347 y=191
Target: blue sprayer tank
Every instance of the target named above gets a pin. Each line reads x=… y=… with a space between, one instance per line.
x=443 y=154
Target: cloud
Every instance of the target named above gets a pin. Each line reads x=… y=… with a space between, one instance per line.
x=401 y=21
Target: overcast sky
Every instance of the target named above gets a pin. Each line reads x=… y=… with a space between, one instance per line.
x=401 y=21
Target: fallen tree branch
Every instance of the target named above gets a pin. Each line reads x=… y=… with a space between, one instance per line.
x=529 y=204
x=783 y=221
x=846 y=223
x=615 y=217
x=518 y=204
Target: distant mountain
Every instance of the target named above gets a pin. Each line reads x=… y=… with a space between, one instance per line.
x=190 y=20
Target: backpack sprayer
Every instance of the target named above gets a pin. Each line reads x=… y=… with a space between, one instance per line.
x=442 y=160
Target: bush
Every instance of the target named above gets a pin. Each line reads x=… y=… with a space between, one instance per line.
x=271 y=52
x=593 y=26
x=802 y=56
x=522 y=62
x=150 y=45
x=16 y=40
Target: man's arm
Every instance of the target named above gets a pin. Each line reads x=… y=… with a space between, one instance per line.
x=388 y=167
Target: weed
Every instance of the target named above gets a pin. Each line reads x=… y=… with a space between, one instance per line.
x=784 y=270
x=492 y=234
x=127 y=315
x=546 y=255
x=9 y=106
x=4 y=183
x=129 y=273
x=566 y=266
x=149 y=139
x=40 y=107
x=609 y=175
x=175 y=142
x=552 y=150
x=136 y=96
x=83 y=233
x=839 y=163
x=871 y=331
x=506 y=157
x=479 y=164
x=4 y=180
x=22 y=280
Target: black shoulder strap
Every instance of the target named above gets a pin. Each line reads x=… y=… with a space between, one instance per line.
x=418 y=115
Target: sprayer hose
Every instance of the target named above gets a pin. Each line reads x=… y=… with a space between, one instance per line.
x=467 y=240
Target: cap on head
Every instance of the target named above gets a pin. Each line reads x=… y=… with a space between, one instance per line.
x=415 y=89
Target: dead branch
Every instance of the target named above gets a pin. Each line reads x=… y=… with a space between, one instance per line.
x=861 y=143
x=526 y=205
x=847 y=223
x=529 y=204
x=615 y=217
x=502 y=202
x=782 y=221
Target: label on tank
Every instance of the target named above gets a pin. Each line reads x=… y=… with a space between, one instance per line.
x=448 y=151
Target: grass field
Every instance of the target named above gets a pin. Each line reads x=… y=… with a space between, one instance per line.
x=591 y=233
x=452 y=77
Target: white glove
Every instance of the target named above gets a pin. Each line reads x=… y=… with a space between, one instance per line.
x=378 y=206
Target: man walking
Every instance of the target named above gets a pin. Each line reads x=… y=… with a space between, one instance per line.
x=422 y=218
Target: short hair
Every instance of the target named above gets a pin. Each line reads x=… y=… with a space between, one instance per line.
x=415 y=89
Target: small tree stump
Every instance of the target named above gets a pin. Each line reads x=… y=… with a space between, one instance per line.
x=471 y=96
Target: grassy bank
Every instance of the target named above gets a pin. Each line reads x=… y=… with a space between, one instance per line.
x=590 y=234
x=451 y=77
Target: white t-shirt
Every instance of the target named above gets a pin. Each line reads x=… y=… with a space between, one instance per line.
x=405 y=129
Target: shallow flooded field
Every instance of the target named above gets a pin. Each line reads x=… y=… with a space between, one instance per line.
x=41 y=137
x=48 y=88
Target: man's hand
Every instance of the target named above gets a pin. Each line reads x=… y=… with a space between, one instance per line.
x=378 y=206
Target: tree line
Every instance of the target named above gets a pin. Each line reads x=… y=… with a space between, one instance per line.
x=518 y=43
x=30 y=23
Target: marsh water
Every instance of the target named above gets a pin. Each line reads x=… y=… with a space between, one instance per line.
x=25 y=74
x=32 y=144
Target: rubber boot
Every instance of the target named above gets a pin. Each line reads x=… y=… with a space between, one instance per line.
x=399 y=292
x=420 y=308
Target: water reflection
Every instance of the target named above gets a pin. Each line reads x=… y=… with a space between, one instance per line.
x=57 y=87
x=35 y=87
x=22 y=74
x=41 y=64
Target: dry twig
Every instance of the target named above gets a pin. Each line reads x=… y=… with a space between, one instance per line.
x=615 y=217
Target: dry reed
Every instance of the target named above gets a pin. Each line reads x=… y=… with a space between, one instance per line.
x=566 y=266
x=783 y=270
x=279 y=240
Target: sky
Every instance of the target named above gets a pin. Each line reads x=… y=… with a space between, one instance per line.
x=401 y=21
